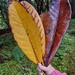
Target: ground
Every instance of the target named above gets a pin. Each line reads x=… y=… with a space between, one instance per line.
x=14 y=62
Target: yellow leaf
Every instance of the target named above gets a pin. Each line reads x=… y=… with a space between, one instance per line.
x=31 y=10
x=25 y=31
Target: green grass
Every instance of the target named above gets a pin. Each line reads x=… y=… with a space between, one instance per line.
x=65 y=56
x=16 y=63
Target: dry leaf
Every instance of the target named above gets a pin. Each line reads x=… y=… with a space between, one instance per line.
x=31 y=10
x=49 y=20
x=55 y=30
x=63 y=23
x=49 y=31
x=26 y=31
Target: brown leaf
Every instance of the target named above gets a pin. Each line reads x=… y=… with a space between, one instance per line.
x=47 y=23
x=31 y=10
x=63 y=23
x=50 y=23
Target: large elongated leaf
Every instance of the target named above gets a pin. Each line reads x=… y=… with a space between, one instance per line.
x=31 y=10
x=55 y=27
x=63 y=23
x=49 y=31
x=26 y=32
x=49 y=20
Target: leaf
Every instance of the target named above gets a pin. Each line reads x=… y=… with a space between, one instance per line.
x=31 y=10
x=49 y=31
x=62 y=26
x=55 y=27
x=17 y=53
x=26 y=32
x=49 y=20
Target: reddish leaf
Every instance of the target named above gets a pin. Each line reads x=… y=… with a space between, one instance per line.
x=55 y=23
